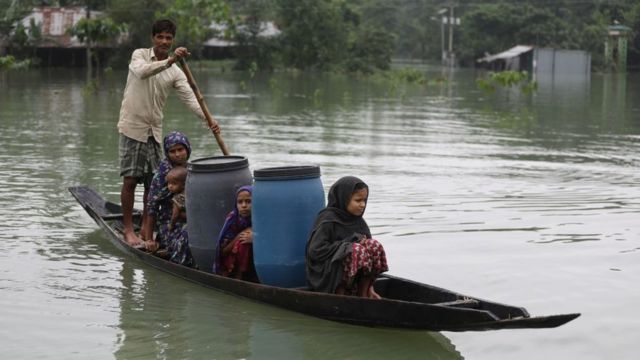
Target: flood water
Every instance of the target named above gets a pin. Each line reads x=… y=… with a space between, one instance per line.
x=526 y=199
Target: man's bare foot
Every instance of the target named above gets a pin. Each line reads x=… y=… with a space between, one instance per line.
x=142 y=234
x=132 y=239
x=373 y=294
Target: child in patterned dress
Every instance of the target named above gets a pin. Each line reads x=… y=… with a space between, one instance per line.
x=342 y=258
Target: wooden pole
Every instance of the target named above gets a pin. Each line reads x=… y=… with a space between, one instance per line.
x=203 y=105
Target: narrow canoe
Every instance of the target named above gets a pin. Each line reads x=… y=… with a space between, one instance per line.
x=406 y=304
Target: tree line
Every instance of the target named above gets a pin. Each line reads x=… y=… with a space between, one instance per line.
x=347 y=35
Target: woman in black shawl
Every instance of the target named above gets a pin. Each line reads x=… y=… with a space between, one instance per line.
x=341 y=256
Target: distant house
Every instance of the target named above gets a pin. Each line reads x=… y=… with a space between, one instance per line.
x=55 y=47
x=221 y=46
x=539 y=61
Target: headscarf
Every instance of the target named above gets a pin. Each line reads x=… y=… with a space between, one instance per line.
x=159 y=190
x=171 y=139
x=337 y=202
x=334 y=232
x=233 y=225
x=174 y=138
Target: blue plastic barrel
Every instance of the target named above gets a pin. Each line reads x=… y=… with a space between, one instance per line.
x=210 y=195
x=285 y=203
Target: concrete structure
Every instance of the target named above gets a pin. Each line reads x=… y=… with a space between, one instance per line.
x=615 y=47
x=539 y=61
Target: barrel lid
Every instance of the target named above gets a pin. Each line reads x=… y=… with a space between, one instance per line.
x=218 y=163
x=287 y=172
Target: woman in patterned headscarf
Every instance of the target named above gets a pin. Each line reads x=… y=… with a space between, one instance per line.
x=342 y=257
x=177 y=150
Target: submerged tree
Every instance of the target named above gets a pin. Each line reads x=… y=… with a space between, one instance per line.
x=196 y=20
x=138 y=16
x=313 y=33
x=331 y=34
x=12 y=11
x=24 y=40
x=94 y=31
x=369 y=49
x=255 y=51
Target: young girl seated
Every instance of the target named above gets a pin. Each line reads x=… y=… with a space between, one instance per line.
x=342 y=257
x=234 y=250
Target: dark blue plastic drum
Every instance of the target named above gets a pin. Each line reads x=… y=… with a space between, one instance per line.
x=285 y=203
x=211 y=189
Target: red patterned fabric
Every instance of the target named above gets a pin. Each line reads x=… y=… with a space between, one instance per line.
x=367 y=259
x=240 y=258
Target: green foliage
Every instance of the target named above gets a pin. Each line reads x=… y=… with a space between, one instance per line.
x=20 y=36
x=353 y=35
x=93 y=31
x=495 y=27
x=491 y=26
x=24 y=40
x=108 y=72
x=194 y=18
x=11 y=12
x=254 y=50
x=91 y=87
x=529 y=87
x=507 y=79
x=6 y=62
x=96 y=30
x=10 y=63
x=399 y=77
x=632 y=19
x=331 y=35
x=410 y=75
x=369 y=49
x=416 y=28
x=138 y=16
x=314 y=34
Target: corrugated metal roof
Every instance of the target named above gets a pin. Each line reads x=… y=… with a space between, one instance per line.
x=54 y=23
x=511 y=53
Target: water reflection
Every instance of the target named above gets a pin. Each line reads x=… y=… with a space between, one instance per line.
x=165 y=317
x=320 y=340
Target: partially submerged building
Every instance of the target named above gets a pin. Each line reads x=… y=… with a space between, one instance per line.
x=615 y=47
x=539 y=61
x=55 y=47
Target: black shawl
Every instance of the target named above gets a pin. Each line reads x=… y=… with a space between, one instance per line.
x=334 y=231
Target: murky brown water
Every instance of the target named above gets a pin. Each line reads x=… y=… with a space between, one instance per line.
x=525 y=199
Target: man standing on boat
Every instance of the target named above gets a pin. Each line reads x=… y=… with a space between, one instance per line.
x=151 y=74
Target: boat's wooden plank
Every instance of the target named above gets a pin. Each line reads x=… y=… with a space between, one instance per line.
x=119 y=216
x=536 y=322
x=407 y=290
x=467 y=303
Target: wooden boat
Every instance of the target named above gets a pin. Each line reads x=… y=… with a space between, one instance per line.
x=405 y=304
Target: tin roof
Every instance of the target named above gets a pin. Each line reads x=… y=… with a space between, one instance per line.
x=511 y=53
x=54 y=23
